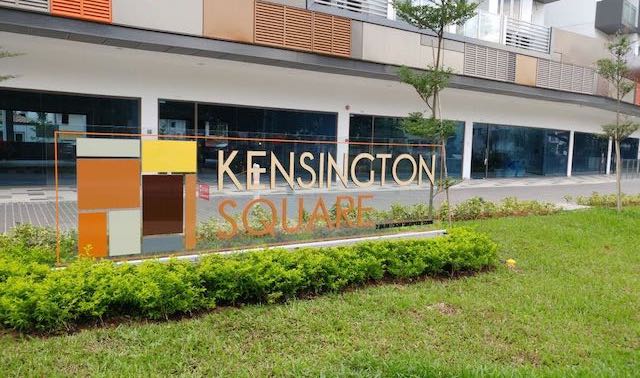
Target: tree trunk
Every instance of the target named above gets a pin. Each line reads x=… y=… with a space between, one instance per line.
x=618 y=174
x=446 y=180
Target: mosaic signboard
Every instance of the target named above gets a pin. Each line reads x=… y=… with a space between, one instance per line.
x=140 y=197
x=135 y=196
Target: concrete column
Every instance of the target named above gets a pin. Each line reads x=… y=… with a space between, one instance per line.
x=467 y=150
x=149 y=115
x=343 y=136
x=609 y=156
x=570 y=156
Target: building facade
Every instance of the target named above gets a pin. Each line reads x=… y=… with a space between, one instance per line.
x=525 y=94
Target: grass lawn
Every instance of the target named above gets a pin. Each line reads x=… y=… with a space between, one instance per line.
x=571 y=308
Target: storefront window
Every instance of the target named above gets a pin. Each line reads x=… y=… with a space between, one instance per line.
x=28 y=121
x=511 y=151
x=246 y=128
x=589 y=154
x=375 y=129
x=628 y=151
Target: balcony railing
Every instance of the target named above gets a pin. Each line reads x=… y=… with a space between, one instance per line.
x=527 y=36
x=484 y=26
x=508 y=31
x=374 y=7
x=33 y=5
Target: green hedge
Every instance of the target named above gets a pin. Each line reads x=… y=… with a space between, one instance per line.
x=35 y=298
x=608 y=200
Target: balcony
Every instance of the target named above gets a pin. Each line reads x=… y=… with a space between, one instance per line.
x=484 y=26
x=616 y=16
x=508 y=31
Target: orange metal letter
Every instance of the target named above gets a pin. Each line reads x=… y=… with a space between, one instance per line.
x=320 y=205
x=362 y=210
x=269 y=227
x=285 y=225
x=341 y=212
x=234 y=226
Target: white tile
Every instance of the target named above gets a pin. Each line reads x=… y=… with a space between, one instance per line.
x=94 y=147
x=125 y=232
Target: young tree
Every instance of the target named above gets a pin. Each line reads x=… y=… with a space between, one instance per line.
x=435 y=17
x=616 y=72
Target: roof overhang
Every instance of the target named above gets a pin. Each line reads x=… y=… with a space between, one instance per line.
x=119 y=36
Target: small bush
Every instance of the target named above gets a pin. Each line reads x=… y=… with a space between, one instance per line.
x=33 y=244
x=35 y=297
x=478 y=208
x=608 y=200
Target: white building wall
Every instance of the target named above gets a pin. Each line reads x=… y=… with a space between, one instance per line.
x=66 y=66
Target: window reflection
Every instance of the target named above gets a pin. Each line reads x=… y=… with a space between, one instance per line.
x=378 y=129
x=228 y=122
x=29 y=119
x=589 y=154
x=511 y=151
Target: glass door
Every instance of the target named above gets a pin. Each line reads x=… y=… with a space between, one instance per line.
x=480 y=151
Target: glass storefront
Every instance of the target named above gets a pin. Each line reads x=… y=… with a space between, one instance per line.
x=375 y=129
x=230 y=122
x=628 y=151
x=511 y=151
x=589 y=154
x=27 y=124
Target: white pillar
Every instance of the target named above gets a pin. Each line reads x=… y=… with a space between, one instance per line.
x=467 y=150
x=570 y=156
x=342 y=136
x=609 y=156
x=149 y=115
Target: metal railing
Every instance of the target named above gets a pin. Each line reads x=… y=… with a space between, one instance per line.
x=505 y=30
x=33 y=5
x=527 y=36
x=374 y=7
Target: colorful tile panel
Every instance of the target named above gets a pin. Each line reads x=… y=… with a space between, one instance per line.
x=169 y=156
x=108 y=183
x=163 y=204
x=125 y=229
x=92 y=235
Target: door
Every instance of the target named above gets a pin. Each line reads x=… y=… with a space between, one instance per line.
x=480 y=151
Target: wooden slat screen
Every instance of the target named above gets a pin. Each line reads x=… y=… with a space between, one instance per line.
x=269 y=21
x=300 y=29
x=92 y=10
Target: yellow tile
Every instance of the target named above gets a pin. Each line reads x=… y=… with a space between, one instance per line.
x=169 y=156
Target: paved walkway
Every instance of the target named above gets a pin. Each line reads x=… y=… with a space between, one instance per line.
x=37 y=205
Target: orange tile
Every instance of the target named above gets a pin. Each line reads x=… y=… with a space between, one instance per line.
x=190 y=211
x=92 y=235
x=108 y=183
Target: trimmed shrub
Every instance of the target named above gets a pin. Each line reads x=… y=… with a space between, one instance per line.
x=478 y=208
x=608 y=200
x=34 y=297
x=32 y=244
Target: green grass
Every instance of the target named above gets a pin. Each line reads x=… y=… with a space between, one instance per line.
x=571 y=308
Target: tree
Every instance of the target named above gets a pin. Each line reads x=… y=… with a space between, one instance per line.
x=616 y=72
x=434 y=17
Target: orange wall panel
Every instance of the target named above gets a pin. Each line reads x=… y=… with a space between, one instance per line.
x=92 y=235
x=108 y=184
x=637 y=98
x=190 y=211
x=229 y=20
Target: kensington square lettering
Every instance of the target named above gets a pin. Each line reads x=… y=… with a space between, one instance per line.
x=328 y=172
